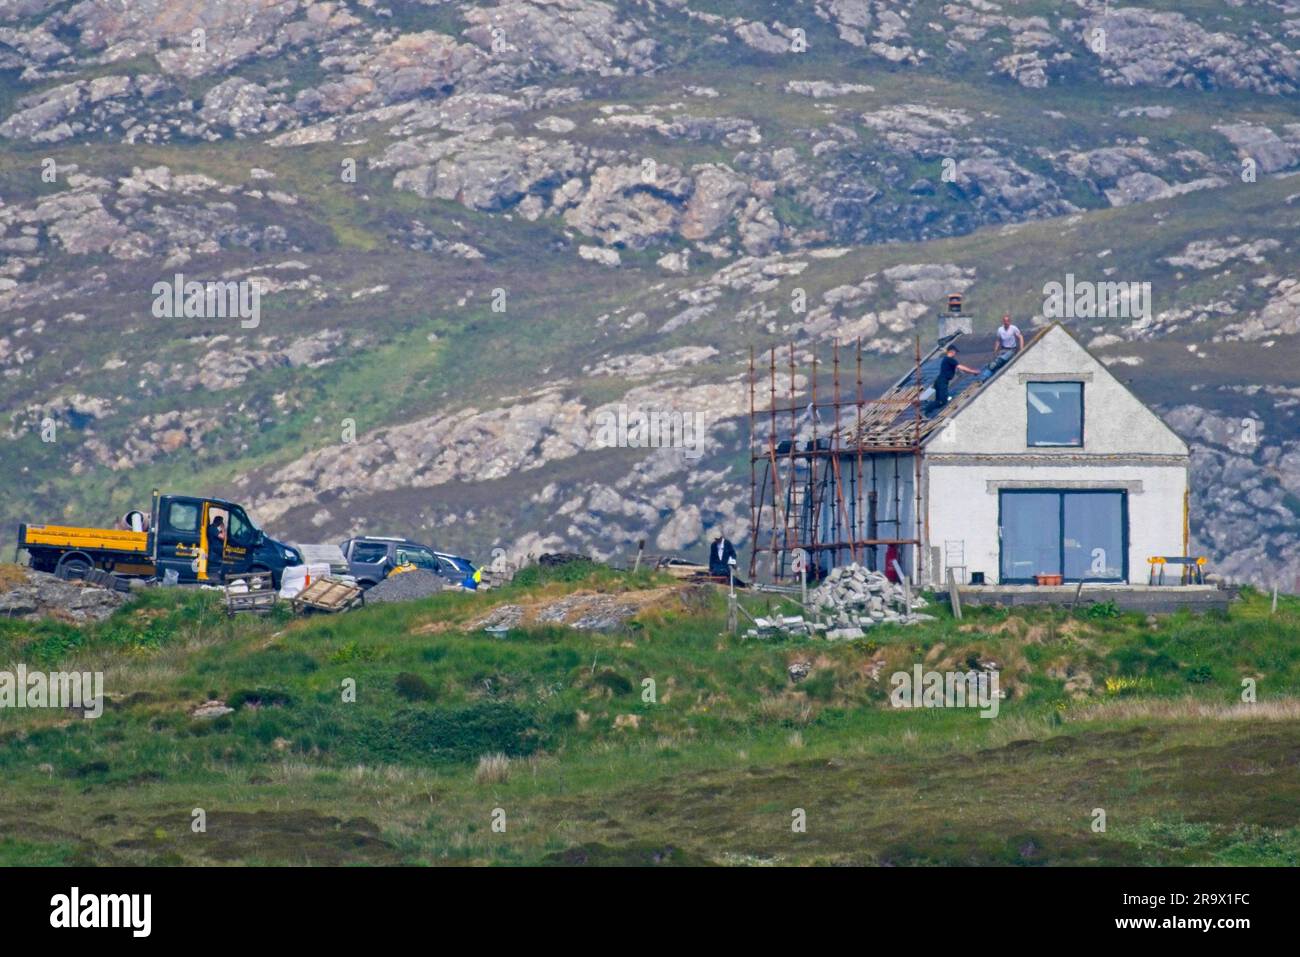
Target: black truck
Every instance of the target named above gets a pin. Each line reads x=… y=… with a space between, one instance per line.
x=188 y=538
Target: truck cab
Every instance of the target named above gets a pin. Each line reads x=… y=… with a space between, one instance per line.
x=211 y=540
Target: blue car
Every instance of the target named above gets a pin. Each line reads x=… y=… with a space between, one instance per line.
x=470 y=576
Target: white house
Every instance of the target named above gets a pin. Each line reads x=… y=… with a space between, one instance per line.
x=1051 y=466
x=1045 y=464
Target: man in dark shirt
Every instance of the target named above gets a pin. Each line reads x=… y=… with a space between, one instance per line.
x=948 y=368
x=721 y=554
x=216 y=538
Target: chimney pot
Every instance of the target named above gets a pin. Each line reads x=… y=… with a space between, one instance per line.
x=953 y=321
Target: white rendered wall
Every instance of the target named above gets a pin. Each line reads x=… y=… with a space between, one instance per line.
x=1115 y=421
x=963 y=506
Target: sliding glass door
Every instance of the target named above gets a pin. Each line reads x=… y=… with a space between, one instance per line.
x=1080 y=535
x=1031 y=535
x=1093 y=544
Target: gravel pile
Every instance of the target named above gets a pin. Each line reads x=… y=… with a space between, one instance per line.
x=406 y=586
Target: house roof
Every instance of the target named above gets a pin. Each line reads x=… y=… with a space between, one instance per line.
x=892 y=421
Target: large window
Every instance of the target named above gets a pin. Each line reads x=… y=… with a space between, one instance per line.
x=417 y=556
x=183 y=517
x=452 y=569
x=367 y=553
x=241 y=531
x=1080 y=535
x=1055 y=413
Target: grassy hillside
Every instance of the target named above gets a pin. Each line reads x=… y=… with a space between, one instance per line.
x=551 y=727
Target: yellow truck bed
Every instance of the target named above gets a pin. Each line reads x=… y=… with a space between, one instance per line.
x=92 y=539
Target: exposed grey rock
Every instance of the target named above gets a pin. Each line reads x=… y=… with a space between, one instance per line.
x=716 y=193
x=1136 y=188
x=571 y=36
x=1109 y=163
x=43 y=117
x=1201 y=254
x=824 y=89
x=1009 y=189
x=625 y=207
x=852 y=18
x=92 y=106
x=1154 y=112
x=916 y=128
x=31 y=50
x=555 y=124
x=678 y=262
x=410 y=65
x=234 y=30
x=1271 y=152
x=44 y=596
x=1247 y=534
x=242 y=107
x=1029 y=69
x=1280 y=316
x=504 y=616
x=851 y=598
x=1141 y=47
x=760 y=232
x=926 y=282
x=736 y=131
x=481 y=171
x=758 y=36
x=599 y=254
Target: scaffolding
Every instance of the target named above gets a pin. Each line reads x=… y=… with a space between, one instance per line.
x=851 y=491
x=854 y=490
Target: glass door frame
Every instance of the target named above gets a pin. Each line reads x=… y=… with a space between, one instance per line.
x=1060 y=494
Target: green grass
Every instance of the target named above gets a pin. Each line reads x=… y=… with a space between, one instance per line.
x=710 y=770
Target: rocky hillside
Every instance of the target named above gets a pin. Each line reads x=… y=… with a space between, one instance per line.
x=475 y=229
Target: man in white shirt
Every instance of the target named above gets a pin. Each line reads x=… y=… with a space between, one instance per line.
x=1009 y=338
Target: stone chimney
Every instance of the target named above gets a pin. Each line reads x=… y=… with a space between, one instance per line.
x=954 y=321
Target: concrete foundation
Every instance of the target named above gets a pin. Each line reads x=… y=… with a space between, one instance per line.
x=1153 y=599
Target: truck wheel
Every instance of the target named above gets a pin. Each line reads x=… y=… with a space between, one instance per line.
x=366 y=584
x=73 y=565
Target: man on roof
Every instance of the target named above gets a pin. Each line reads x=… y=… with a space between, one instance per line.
x=1009 y=338
x=948 y=368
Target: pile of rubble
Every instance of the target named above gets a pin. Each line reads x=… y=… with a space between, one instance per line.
x=32 y=595
x=849 y=600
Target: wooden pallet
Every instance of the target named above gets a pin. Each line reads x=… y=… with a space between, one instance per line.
x=259 y=599
x=327 y=595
